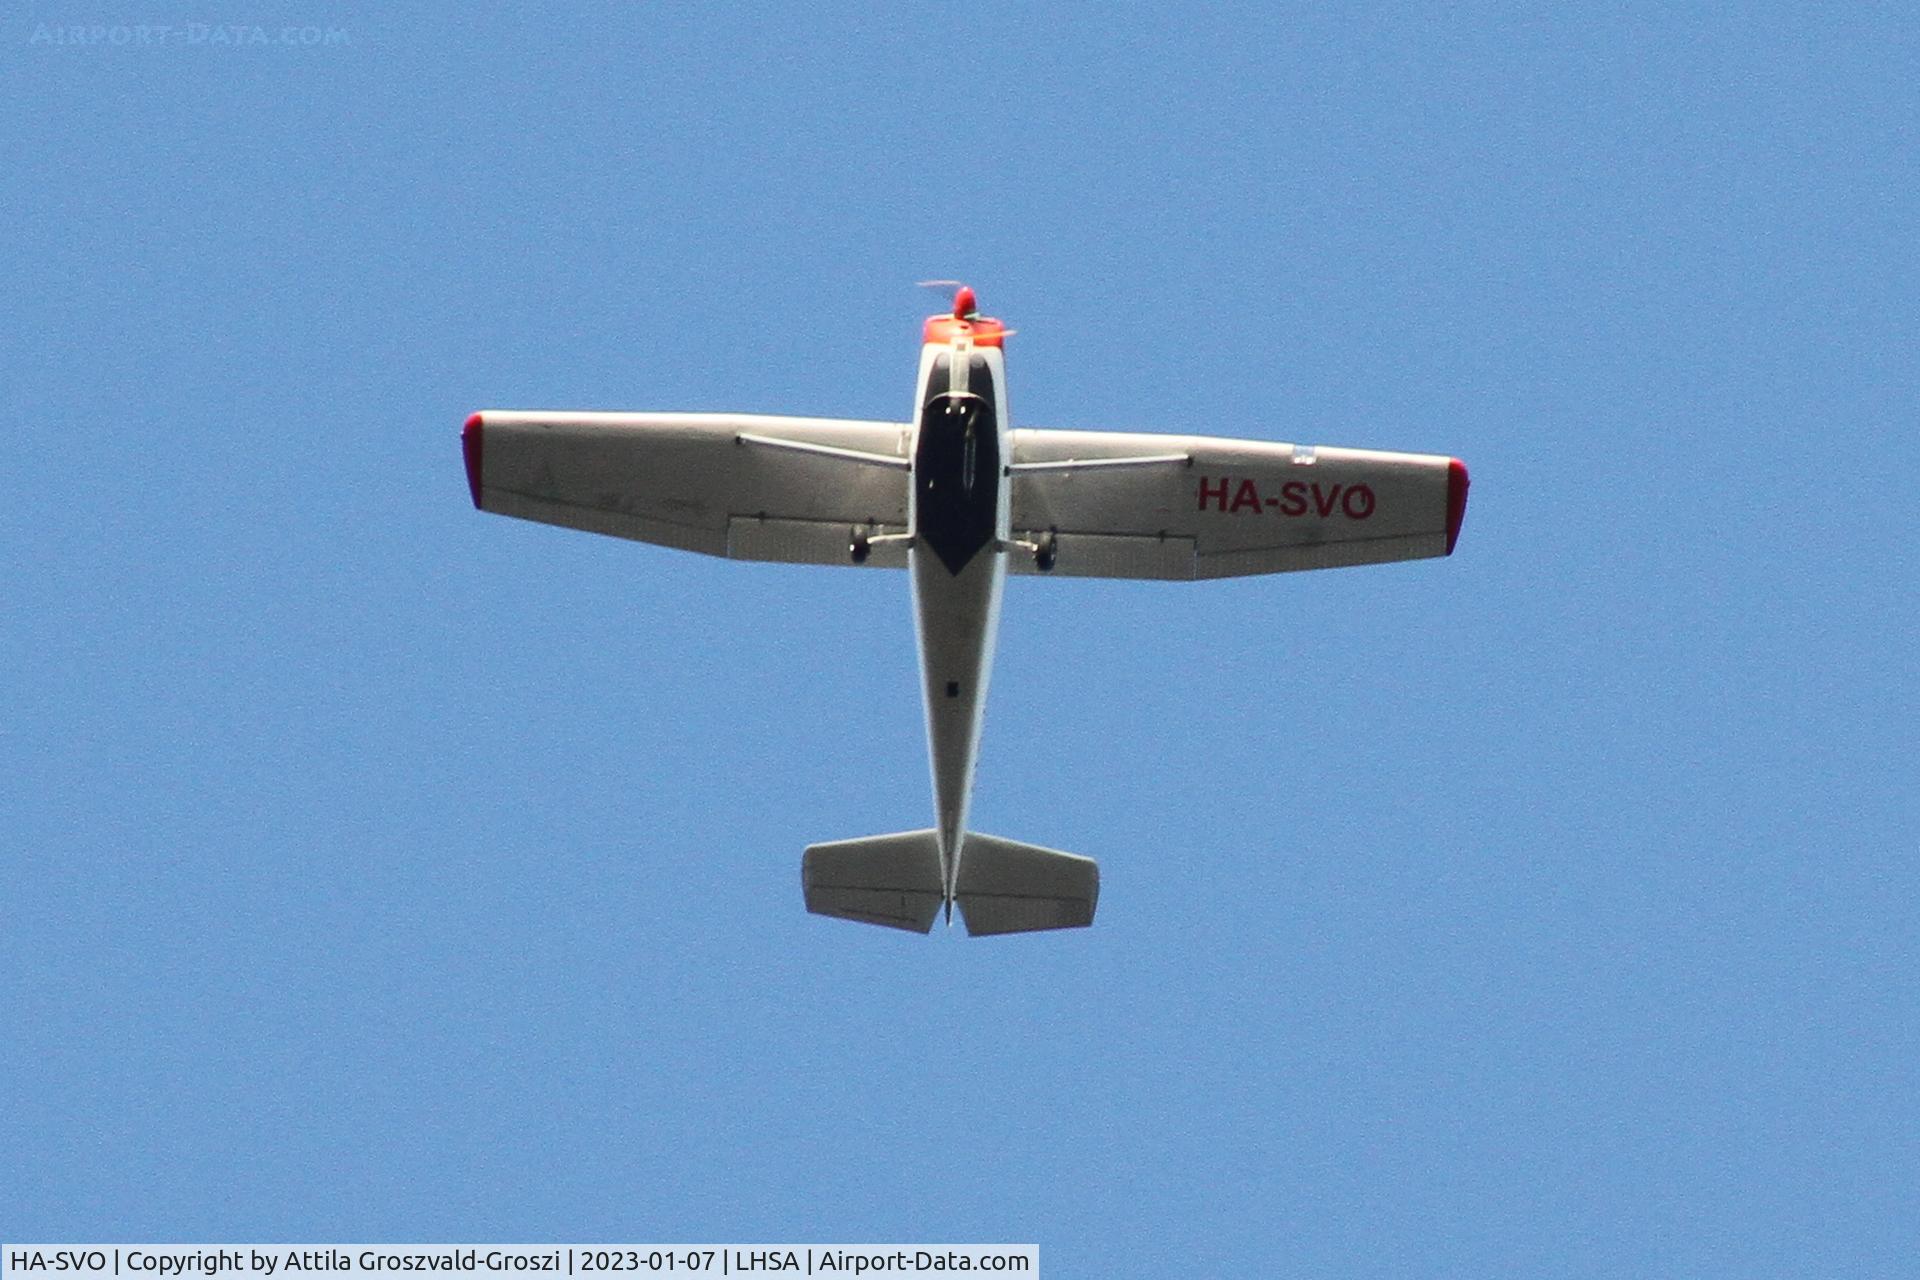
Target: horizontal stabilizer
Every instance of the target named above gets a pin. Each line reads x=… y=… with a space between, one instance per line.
x=892 y=880
x=1008 y=887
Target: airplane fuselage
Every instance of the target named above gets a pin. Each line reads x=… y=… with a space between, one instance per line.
x=958 y=516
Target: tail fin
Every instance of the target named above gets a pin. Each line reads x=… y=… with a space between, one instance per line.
x=898 y=881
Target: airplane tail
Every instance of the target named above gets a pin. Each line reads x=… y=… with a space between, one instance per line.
x=898 y=880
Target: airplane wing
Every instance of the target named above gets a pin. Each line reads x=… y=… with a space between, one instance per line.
x=1115 y=505
x=748 y=486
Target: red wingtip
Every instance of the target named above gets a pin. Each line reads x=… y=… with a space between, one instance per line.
x=1456 y=500
x=964 y=303
x=470 y=447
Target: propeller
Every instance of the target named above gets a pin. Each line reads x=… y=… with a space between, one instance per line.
x=965 y=305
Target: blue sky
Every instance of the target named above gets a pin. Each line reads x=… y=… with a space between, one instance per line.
x=375 y=869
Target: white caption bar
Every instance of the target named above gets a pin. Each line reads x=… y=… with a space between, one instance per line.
x=419 y=1261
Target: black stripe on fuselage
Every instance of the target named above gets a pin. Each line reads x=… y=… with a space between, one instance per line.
x=956 y=466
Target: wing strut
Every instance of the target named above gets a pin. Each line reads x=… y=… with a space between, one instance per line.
x=859 y=456
x=1088 y=464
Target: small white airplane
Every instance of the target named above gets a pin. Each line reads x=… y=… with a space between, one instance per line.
x=960 y=499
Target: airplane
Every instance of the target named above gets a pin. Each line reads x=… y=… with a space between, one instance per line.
x=960 y=498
